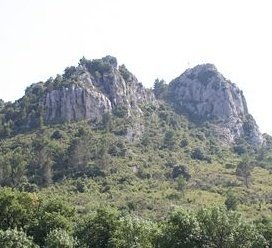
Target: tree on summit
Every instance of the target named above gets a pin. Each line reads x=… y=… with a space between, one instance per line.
x=160 y=88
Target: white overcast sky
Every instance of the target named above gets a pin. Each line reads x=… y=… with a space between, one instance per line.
x=154 y=38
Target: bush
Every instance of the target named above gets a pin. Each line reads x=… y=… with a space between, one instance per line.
x=231 y=201
x=125 y=73
x=226 y=229
x=160 y=88
x=59 y=238
x=243 y=170
x=169 y=140
x=240 y=149
x=230 y=166
x=134 y=232
x=181 y=171
x=181 y=230
x=181 y=183
x=120 y=112
x=52 y=214
x=17 y=209
x=56 y=135
x=98 y=230
x=68 y=72
x=198 y=154
x=13 y=238
x=183 y=143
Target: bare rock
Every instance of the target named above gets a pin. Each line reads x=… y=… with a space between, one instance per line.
x=203 y=94
x=94 y=88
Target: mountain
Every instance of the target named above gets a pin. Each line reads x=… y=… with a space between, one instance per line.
x=99 y=86
x=98 y=137
x=205 y=95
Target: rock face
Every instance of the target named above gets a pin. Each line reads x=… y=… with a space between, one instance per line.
x=204 y=94
x=94 y=88
x=75 y=103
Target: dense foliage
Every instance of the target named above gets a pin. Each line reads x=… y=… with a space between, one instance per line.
x=54 y=223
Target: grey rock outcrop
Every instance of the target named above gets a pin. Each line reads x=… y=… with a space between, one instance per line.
x=94 y=88
x=75 y=103
x=203 y=94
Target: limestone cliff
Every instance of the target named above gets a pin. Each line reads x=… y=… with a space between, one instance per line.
x=93 y=88
x=203 y=94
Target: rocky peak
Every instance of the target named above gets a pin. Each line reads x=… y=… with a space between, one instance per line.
x=204 y=94
x=93 y=88
x=205 y=73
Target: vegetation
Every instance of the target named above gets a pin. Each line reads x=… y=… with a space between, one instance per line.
x=55 y=224
x=113 y=183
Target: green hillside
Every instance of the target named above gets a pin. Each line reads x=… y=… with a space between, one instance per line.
x=142 y=173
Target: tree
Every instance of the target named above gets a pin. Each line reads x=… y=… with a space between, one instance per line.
x=198 y=154
x=181 y=183
x=98 y=231
x=264 y=227
x=181 y=230
x=135 y=232
x=17 y=209
x=231 y=201
x=169 y=140
x=226 y=229
x=125 y=73
x=42 y=161
x=13 y=166
x=68 y=72
x=107 y=122
x=181 y=170
x=12 y=238
x=243 y=170
x=53 y=214
x=79 y=154
x=160 y=88
x=214 y=228
x=2 y=104
x=59 y=238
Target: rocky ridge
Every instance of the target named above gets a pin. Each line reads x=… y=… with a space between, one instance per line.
x=99 y=86
x=204 y=94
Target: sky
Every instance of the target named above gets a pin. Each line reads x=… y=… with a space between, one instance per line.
x=153 y=38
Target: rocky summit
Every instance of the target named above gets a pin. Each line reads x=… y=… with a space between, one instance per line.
x=92 y=89
x=204 y=94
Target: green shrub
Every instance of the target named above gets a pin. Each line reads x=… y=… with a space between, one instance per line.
x=135 y=232
x=17 y=209
x=13 y=238
x=240 y=149
x=231 y=201
x=198 y=154
x=183 y=143
x=59 y=238
x=181 y=170
x=98 y=231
